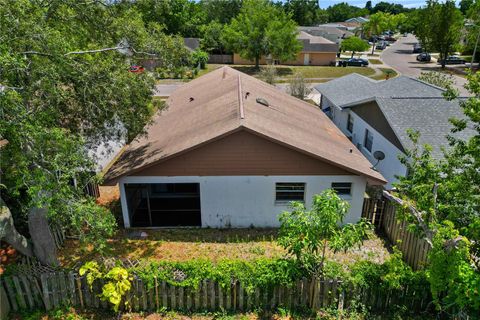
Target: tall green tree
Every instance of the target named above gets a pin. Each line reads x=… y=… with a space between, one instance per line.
x=305 y=12
x=260 y=30
x=440 y=200
x=378 y=22
x=465 y=5
x=222 y=11
x=354 y=44
x=65 y=90
x=439 y=27
x=342 y=11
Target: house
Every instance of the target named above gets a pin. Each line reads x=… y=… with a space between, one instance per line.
x=328 y=32
x=316 y=51
x=358 y=20
x=375 y=116
x=231 y=150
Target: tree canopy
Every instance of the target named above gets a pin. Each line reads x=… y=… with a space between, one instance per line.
x=65 y=90
x=354 y=44
x=262 y=29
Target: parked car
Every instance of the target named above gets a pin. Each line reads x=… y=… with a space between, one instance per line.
x=381 y=45
x=355 y=62
x=424 y=57
x=405 y=34
x=417 y=48
x=390 y=39
x=136 y=69
x=453 y=60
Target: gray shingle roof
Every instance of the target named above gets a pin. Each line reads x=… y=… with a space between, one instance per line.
x=429 y=116
x=354 y=88
x=406 y=103
x=316 y=43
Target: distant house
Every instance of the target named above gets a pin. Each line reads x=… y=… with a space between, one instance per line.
x=358 y=20
x=231 y=150
x=375 y=115
x=316 y=51
x=328 y=32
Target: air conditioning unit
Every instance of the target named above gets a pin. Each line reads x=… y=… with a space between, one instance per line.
x=359 y=146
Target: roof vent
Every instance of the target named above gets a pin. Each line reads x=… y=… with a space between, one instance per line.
x=263 y=102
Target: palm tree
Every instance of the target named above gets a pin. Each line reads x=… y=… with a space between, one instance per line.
x=375 y=26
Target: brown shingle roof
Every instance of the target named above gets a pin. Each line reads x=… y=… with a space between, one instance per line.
x=224 y=101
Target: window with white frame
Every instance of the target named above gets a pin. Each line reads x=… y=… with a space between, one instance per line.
x=342 y=188
x=350 y=123
x=368 y=140
x=289 y=191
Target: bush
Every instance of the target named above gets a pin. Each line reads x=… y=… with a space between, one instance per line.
x=199 y=58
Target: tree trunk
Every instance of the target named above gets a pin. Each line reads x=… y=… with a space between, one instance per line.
x=257 y=62
x=353 y=52
x=9 y=233
x=443 y=60
x=373 y=47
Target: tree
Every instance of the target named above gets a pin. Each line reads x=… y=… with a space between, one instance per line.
x=439 y=27
x=368 y=6
x=211 y=40
x=354 y=44
x=438 y=79
x=305 y=12
x=269 y=73
x=386 y=7
x=342 y=11
x=439 y=198
x=260 y=30
x=465 y=6
x=306 y=234
x=375 y=26
x=221 y=11
x=298 y=87
x=66 y=90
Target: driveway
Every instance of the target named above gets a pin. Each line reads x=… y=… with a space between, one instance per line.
x=399 y=56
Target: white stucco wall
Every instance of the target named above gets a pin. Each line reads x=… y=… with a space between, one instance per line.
x=391 y=165
x=243 y=201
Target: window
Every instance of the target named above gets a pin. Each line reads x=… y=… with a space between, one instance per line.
x=368 y=141
x=342 y=188
x=350 y=123
x=289 y=191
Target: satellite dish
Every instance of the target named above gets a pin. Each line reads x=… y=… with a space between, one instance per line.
x=379 y=155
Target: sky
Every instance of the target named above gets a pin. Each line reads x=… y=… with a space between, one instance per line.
x=361 y=3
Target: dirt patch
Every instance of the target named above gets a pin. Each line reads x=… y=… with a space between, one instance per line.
x=108 y=194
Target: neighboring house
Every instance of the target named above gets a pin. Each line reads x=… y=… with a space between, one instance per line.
x=375 y=115
x=231 y=150
x=330 y=33
x=348 y=26
x=357 y=20
x=191 y=44
x=316 y=51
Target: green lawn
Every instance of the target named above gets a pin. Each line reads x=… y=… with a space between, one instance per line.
x=384 y=73
x=375 y=61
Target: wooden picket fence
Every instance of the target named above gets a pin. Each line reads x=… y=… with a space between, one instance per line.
x=51 y=290
x=382 y=213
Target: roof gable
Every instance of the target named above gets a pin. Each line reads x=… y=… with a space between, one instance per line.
x=224 y=101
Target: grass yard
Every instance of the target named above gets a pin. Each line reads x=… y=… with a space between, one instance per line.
x=213 y=244
x=392 y=73
x=375 y=61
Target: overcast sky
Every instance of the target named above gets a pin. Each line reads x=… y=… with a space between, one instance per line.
x=361 y=3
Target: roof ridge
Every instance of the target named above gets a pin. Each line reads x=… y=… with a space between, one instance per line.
x=240 y=98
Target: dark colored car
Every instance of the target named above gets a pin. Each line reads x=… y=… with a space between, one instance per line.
x=136 y=69
x=355 y=62
x=381 y=45
x=390 y=39
x=453 y=60
x=417 y=48
x=424 y=57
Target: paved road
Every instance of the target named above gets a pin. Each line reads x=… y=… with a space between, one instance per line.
x=399 y=56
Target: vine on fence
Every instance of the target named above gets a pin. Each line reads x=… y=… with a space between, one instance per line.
x=118 y=282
